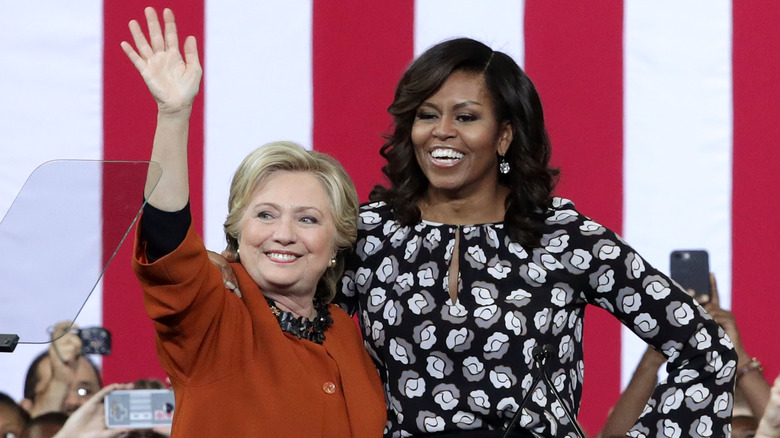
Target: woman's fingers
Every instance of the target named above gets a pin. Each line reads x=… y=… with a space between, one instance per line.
x=171 y=34
x=136 y=59
x=156 y=39
x=173 y=81
x=191 y=57
x=139 y=39
x=714 y=299
x=157 y=42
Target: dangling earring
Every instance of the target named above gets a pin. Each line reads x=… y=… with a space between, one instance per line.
x=332 y=262
x=503 y=165
x=238 y=254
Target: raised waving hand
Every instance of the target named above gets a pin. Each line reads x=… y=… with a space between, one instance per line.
x=173 y=81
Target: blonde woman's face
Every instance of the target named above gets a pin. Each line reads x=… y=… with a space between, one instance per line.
x=287 y=233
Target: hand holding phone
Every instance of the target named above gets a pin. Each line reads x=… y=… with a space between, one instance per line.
x=88 y=420
x=690 y=268
x=95 y=340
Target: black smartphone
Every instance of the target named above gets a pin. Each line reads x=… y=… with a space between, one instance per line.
x=691 y=269
x=95 y=340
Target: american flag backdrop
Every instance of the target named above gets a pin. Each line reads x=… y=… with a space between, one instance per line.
x=664 y=117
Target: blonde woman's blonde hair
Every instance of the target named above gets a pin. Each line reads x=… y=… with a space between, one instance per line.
x=291 y=157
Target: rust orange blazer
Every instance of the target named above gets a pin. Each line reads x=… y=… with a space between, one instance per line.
x=236 y=374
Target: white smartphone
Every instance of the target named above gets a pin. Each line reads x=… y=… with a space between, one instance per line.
x=139 y=408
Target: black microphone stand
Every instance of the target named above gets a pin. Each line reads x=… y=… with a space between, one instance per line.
x=540 y=356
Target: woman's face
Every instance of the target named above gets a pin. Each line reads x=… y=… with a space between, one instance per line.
x=456 y=137
x=287 y=233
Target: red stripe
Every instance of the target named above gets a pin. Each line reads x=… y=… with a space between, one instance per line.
x=574 y=55
x=354 y=81
x=129 y=116
x=755 y=235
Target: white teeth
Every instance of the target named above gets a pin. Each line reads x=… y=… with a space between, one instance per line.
x=440 y=153
x=281 y=257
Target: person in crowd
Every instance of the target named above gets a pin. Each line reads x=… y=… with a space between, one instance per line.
x=750 y=380
x=89 y=419
x=470 y=279
x=13 y=418
x=743 y=421
x=769 y=427
x=149 y=384
x=46 y=425
x=60 y=379
x=280 y=360
x=751 y=393
x=635 y=396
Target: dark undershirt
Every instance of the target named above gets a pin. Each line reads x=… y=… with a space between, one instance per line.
x=163 y=231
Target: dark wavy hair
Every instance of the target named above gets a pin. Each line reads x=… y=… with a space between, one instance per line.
x=531 y=179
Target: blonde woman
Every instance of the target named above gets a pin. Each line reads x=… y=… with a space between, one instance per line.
x=279 y=360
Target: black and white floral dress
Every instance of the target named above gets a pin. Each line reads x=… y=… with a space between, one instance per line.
x=467 y=365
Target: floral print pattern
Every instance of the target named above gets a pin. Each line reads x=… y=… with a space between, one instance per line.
x=468 y=364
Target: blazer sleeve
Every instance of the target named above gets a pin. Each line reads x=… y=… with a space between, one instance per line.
x=196 y=319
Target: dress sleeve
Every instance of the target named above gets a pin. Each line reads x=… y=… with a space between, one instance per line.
x=346 y=296
x=371 y=236
x=697 y=397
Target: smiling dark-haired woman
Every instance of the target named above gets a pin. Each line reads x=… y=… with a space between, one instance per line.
x=470 y=276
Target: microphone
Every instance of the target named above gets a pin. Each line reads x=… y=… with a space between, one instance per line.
x=540 y=355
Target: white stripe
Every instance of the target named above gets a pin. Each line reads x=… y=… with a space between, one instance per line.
x=51 y=107
x=258 y=83
x=497 y=23
x=678 y=136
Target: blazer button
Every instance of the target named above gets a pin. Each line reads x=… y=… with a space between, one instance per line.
x=329 y=387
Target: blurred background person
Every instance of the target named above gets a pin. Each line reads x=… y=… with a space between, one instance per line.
x=46 y=425
x=13 y=418
x=769 y=427
x=60 y=379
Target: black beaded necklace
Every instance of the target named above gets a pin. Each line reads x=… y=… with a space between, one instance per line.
x=301 y=327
